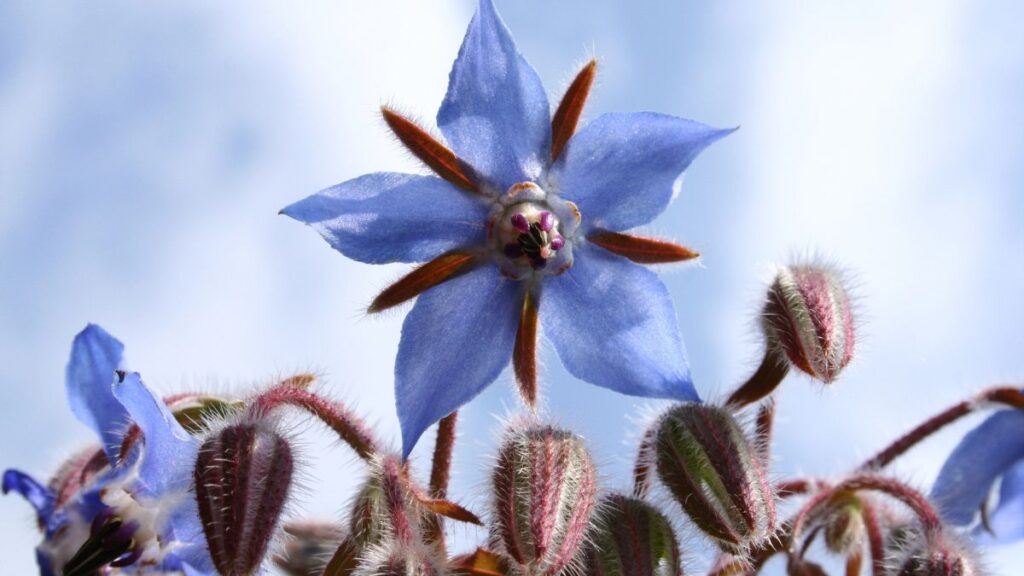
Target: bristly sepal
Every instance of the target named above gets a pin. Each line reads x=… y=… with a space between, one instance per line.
x=630 y=537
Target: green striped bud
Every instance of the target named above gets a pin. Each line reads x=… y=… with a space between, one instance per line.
x=629 y=537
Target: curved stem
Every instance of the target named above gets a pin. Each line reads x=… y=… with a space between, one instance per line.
x=1006 y=395
x=349 y=427
x=764 y=381
x=876 y=540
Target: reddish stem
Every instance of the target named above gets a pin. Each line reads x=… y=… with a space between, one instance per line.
x=764 y=381
x=335 y=415
x=876 y=540
x=440 y=474
x=1009 y=396
x=764 y=427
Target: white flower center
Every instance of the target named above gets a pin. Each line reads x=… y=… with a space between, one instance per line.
x=532 y=232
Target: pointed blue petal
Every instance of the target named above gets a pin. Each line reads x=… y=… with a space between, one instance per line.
x=170 y=452
x=1007 y=520
x=622 y=170
x=45 y=564
x=455 y=341
x=983 y=455
x=495 y=114
x=40 y=497
x=95 y=355
x=613 y=325
x=388 y=217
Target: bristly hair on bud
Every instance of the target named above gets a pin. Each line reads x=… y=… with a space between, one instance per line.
x=544 y=485
x=933 y=553
x=630 y=537
x=808 y=319
x=394 y=558
x=243 y=476
x=714 y=472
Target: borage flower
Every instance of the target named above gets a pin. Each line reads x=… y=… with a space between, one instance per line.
x=992 y=452
x=524 y=222
x=132 y=511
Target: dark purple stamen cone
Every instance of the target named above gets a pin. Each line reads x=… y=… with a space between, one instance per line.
x=808 y=320
x=544 y=486
x=242 y=476
x=629 y=537
x=710 y=467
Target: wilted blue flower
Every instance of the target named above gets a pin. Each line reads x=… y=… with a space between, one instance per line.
x=992 y=451
x=135 y=513
x=524 y=221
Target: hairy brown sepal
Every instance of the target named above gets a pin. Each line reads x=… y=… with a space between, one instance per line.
x=438 y=270
x=563 y=124
x=524 y=355
x=642 y=250
x=434 y=154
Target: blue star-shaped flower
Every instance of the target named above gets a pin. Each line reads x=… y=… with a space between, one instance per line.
x=992 y=451
x=523 y=224
x=137 y=513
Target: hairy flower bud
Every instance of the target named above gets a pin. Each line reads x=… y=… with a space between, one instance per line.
x=242 y=477
x=629 y=537
x=544 y=487
x=808 y=318
x=935 y=554
x=844 y=527
x=311 y=546
x=715 y=474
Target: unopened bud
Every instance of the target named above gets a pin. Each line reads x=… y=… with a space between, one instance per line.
x=715 y=474
x=844 y=527
x=629 y=536
x=242 y=477
x=808 y=318
x=544 y=487
x=801 y=567
x=936 y=554
x=311 y=546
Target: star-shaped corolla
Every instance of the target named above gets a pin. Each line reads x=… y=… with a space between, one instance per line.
x=128 y=507
x=523 y=224
x=992 y=452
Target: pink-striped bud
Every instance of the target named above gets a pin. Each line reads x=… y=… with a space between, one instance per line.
x=808 y=319
x=629 y=537
x=242 y=477
x=706 y=461
x=935 y=554
x=544 y=487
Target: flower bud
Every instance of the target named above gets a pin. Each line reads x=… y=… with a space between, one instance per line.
x=710 y=467
x=801 y=567
x=935 y=554
x=242 y=477
x=311 y=546
x=629 y=537
x=844 y=527
x=808 y=318
x=544 y=486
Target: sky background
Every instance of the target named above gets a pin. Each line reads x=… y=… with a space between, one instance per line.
x=145 y=150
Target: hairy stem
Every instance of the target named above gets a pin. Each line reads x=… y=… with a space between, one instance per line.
x=765 y=380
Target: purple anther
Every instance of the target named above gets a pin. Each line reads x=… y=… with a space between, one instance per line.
x=557 y=242
x=547 y=221
x=513 y=251
x=520 y=223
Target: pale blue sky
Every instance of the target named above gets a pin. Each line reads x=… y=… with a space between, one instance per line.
x=146 y=148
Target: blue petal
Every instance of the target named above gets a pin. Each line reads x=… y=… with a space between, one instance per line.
x=622 y=170
x=45 y=564
x=983 y=455
x=388 y=217
x=40 y=497
x=1007 y=520
x=455 y=342
x=170 y=452
x=95 y=355
x=495 y=114
x=613 y=325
